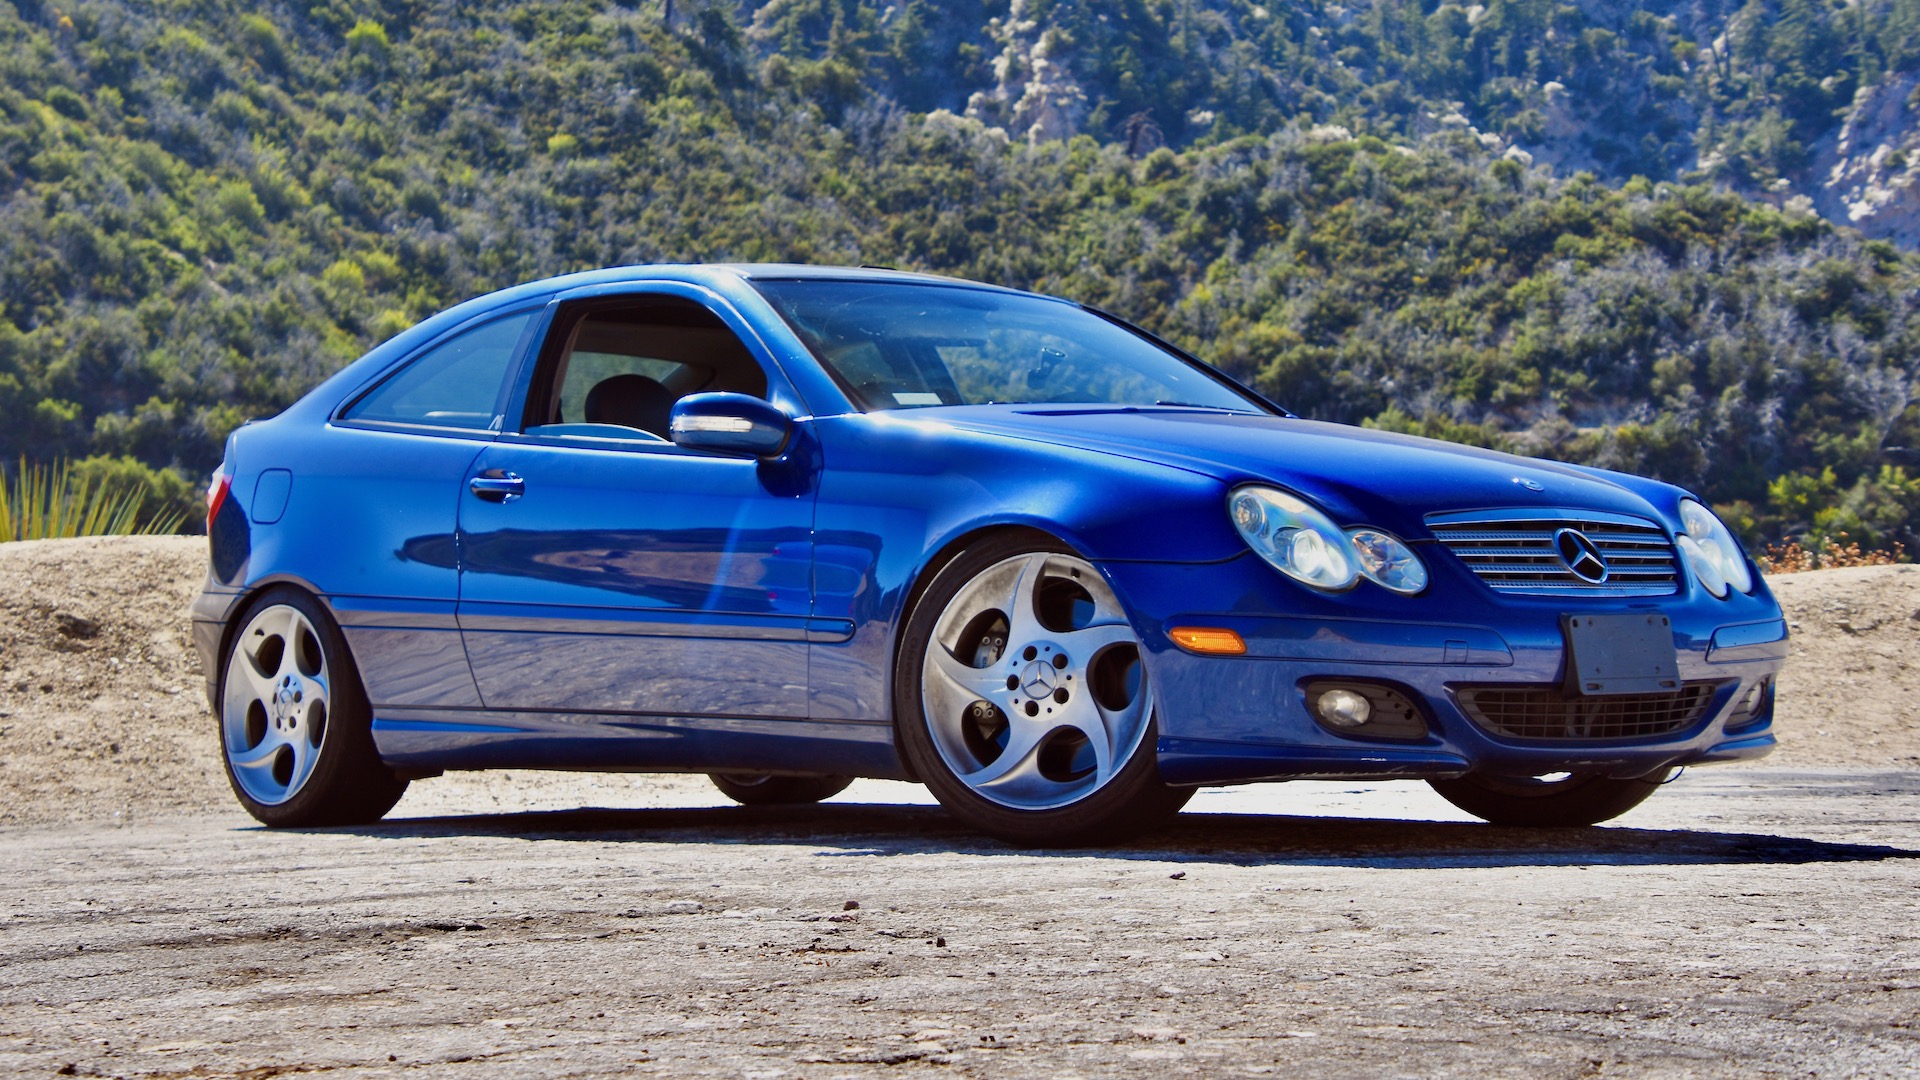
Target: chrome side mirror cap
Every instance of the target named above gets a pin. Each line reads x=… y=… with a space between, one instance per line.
x=730 y=424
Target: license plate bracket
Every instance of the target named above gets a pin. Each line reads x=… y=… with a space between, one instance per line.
x=1623 y=653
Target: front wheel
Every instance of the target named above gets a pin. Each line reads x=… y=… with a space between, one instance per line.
x=294 y=721
x=1023 y=701
x=1558 y=800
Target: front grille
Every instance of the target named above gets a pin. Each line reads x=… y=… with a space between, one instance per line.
x=1522 y=712
x=1516 y=551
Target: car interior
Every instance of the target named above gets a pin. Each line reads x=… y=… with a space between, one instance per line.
x=614 y=370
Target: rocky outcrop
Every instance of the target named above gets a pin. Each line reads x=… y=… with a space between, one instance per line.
x=1867 y=174
x=1035 y=94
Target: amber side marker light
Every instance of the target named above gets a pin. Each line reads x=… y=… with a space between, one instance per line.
x=1208 y=639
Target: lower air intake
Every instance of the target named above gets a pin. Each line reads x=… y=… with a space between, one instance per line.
x=1535 y=713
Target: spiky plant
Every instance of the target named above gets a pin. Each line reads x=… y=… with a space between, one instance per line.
x=49 y=501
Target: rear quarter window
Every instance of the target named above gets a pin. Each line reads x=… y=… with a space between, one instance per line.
x=458 y=383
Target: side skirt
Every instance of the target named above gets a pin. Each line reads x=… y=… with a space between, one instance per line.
x=417 y=739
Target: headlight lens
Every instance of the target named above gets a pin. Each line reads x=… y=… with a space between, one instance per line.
x=1711 y=551
x=1387 y=561
x=1704 y=566
x=1295 y=537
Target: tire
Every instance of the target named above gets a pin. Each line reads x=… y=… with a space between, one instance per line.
x=1022 y=701
x=761 y=789
x=295 y=728
x=1573 y=800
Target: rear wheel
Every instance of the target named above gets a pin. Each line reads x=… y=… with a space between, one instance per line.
x=761 y=789
x=1561 y=799
x=1023 y=701
x=294 y=721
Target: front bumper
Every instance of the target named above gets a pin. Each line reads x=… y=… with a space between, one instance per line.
x=1239 y=719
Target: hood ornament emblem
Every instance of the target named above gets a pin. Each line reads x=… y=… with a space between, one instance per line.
x=1530 y=485
x=1581 y=555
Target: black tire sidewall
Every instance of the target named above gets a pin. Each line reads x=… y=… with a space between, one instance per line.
x=349 y=785
x=1134 y=799
x=780 y=790
x=1587 y=801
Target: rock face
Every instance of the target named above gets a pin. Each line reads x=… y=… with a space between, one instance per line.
x=1035 y=94
x=1867 y=174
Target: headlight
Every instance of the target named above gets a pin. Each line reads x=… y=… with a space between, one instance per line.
x=1387 y=561
x=1296 y=538
x=1711 y=551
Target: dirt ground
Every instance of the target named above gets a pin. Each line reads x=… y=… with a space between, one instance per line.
x=1750 y=921
x=1744 y=923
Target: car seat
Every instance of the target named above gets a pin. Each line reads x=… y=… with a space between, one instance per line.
x=630 y=400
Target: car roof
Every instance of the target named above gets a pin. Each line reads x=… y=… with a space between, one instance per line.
x=705 y=273
x=803 y=272
x=724 y=278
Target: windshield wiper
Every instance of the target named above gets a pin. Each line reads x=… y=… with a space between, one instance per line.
x=1197 y=405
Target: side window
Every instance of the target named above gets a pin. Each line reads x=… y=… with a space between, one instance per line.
x=623 y=363
x=455 y=384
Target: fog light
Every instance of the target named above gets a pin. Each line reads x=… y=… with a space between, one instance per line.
x=1752 y=704
x=1344 y=708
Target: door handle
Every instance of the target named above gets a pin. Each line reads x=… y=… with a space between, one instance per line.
x=495 y=485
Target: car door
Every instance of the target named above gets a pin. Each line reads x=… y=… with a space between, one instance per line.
x=606 y=570
x=378 y=495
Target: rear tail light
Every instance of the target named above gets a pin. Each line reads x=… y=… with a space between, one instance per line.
x=217 y=491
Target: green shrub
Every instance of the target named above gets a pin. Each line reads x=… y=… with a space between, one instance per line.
x=51 y=501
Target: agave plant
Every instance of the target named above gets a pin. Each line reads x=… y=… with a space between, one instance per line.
x=48 y=501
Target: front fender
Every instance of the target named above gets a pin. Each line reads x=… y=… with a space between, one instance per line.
x=897 y=495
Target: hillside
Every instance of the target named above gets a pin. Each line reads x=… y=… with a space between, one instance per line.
x=1805 y=102
x=205 y=208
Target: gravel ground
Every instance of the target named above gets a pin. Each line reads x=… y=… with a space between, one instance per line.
x=1743 y=923
x=1757 y=921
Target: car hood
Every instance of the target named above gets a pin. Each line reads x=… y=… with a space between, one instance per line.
x=1358 y=475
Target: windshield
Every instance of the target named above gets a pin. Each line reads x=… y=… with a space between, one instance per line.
x=900 y=346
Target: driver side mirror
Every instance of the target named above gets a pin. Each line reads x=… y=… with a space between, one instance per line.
x=729 y=424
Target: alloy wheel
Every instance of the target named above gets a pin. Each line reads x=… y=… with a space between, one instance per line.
x=276 y=704
x=1033 y=687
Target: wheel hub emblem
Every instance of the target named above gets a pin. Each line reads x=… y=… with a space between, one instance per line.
x=1037 y=679
x=1581 y=555
x=286 y=701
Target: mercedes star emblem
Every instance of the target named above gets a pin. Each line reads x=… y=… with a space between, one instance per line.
x=1581 y=555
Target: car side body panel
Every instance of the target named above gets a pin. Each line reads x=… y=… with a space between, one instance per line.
x=367 y=526
x=638 y=580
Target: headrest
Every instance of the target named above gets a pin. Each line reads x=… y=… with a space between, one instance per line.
x=630 y=400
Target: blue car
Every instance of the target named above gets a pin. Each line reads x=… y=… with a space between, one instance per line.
x=791 y=525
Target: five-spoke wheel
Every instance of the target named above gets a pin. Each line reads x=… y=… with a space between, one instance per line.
x=1025 y=704
x=294 y=721
x=276 y=704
